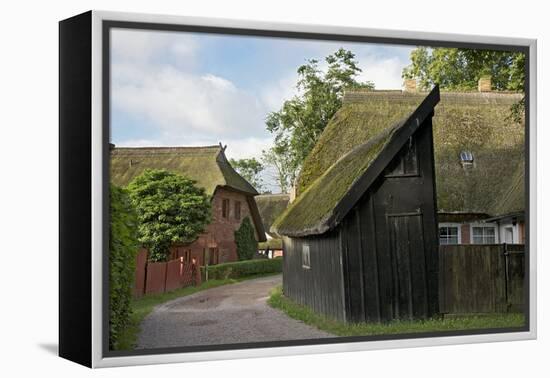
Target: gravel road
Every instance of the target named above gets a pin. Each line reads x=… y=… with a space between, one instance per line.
x=236 y=313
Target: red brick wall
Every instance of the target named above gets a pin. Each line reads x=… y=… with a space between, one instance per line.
x=465 y=234
x=219 y=234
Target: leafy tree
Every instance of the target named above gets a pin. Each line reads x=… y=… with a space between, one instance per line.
x=460 y=69
x=250 y=169
x=247 y=245
x=280 y=158
x=123 y=246
x=302 y=119
x=170 y=209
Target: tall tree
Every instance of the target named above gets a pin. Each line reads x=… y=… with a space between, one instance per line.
x=302 y=119
x=284 y=165
x=460 y=69
x=251 y=170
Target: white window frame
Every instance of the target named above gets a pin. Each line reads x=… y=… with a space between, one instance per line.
x=455 y=225
x=507 y=227
x=515 y=231
x=486 y=225
x=306 y=252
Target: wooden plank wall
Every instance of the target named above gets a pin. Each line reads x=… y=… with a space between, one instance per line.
x=480 y=278
x=321 y=286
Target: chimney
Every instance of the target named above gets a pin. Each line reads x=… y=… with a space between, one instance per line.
x=484 y=84
x=410 y=85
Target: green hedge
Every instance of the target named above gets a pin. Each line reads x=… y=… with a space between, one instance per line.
x=243 y=268
x=123 y=246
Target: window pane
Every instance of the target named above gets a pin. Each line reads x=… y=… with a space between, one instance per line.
x=490 y=239
x=448 y=235
x=305 y=256
x=484 y=235
x=225 y=208
x=237 y=210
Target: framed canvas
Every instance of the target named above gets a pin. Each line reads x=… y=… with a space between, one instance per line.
x=233 y=189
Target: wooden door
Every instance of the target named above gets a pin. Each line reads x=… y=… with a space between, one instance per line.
x=408 y=266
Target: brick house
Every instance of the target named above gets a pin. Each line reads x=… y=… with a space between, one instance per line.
x=231 y=195
x=479 y=155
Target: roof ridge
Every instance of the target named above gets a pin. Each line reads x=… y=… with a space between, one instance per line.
x=181 y=150
x=476 y=98
x=273 y=194
x=165 y=147
x=423 y=93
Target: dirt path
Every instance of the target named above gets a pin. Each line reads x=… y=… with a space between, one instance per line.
x=236 y=313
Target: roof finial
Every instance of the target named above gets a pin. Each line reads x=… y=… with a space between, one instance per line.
x=223 y=147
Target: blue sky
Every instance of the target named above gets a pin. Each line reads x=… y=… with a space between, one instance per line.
x=189 y=89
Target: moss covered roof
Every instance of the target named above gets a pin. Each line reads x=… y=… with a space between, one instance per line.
x=208 y=166
x=270 y=207
x=312 y=211
x=475 y=122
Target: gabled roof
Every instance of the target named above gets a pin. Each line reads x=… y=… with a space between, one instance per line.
x=208 y=166
x=329 y=198
x=467 y=121
x=270 y=207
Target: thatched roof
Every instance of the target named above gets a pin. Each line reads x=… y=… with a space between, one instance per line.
x=270 y=207
x=208 y=166
x=330 y=196
x=474 y=122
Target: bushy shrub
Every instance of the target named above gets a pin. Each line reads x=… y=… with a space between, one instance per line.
x=247 y=245
x=243 y=268
x=123 y=246
x=170 y=209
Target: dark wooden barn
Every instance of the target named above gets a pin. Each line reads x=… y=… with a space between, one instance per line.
x=360 y=244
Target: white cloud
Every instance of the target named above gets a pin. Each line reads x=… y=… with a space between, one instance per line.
x=142 y=143
x=157 y=82
x=139 y=46
x=153 y=79
x=182 y=104
x=247 y=147
x=275 y=93
x=384 y=72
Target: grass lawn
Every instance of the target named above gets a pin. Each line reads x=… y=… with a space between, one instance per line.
x=303 y=313
x=141 y=307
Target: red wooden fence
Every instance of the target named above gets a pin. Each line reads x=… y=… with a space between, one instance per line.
x=139 y=280
x=160 y=277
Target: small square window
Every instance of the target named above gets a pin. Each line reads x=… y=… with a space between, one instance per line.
x=483 y=235
x=448 y=235
x=305 y=257
x=405 y=163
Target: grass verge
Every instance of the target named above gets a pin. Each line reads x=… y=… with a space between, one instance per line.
x=296 y=311
x=141 y=307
